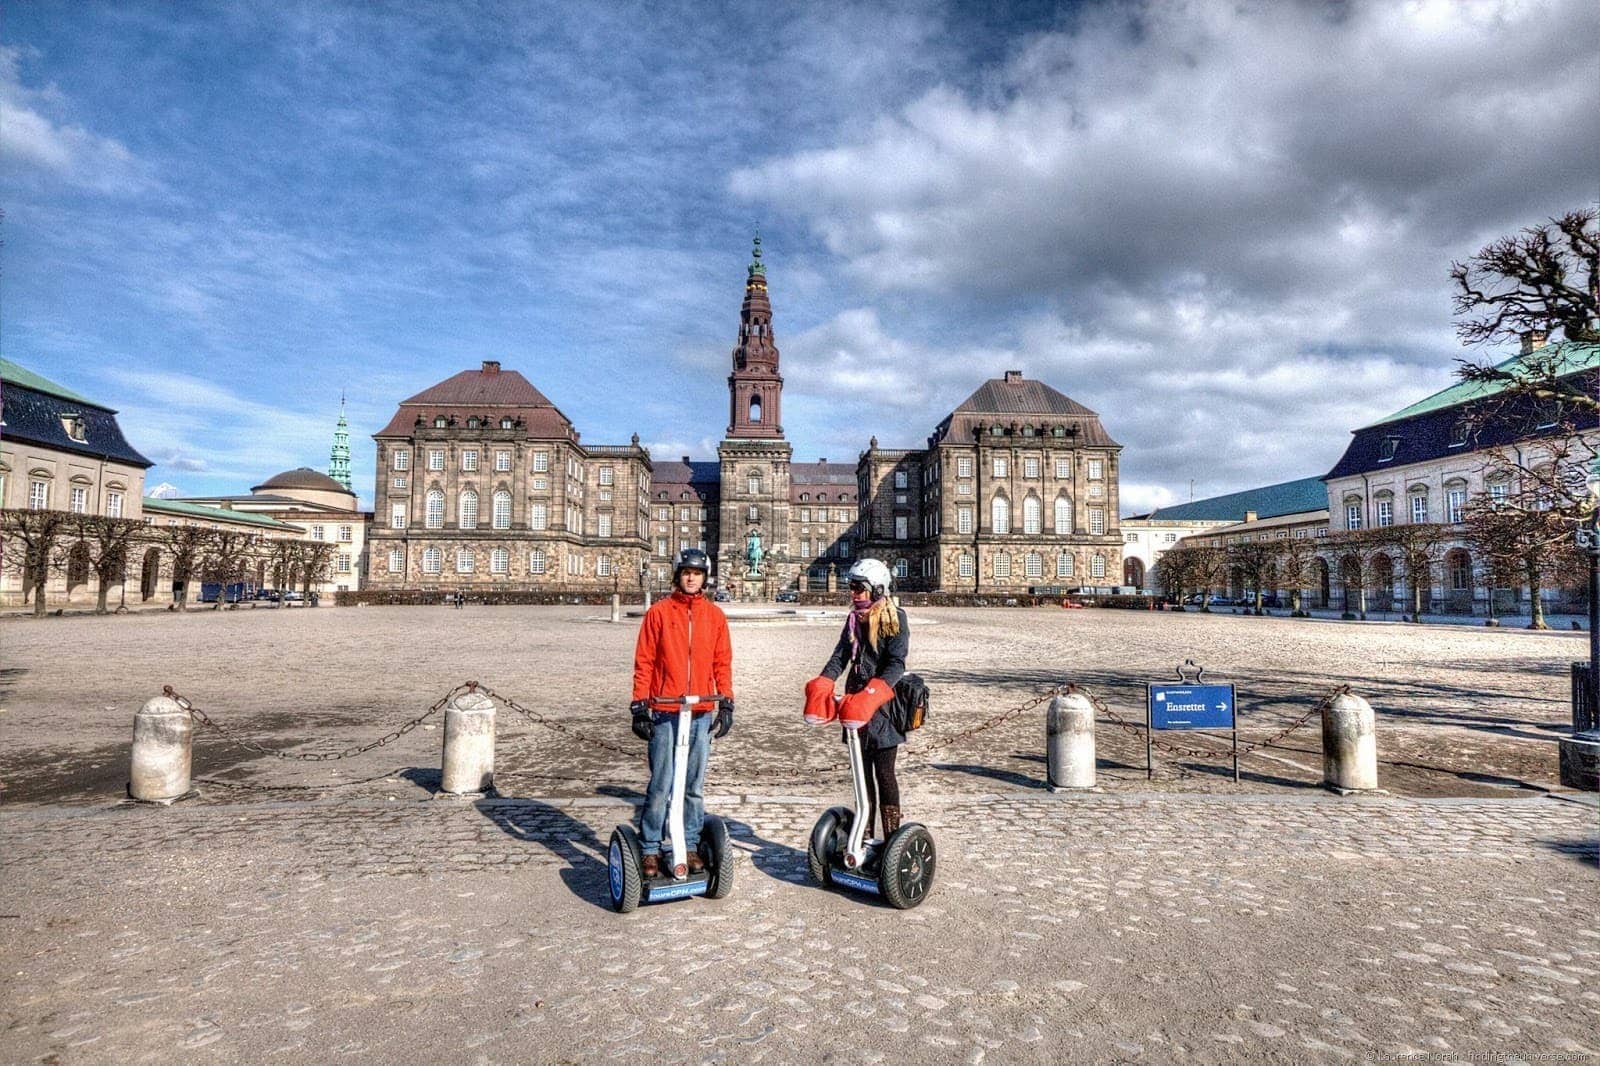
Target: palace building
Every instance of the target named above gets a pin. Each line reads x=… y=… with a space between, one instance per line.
x=482 y=482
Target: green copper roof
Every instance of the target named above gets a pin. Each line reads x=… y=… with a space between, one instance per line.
x=216 y=514
x=1270 y=501
x=1569 y=359
x=12 y=374
x=756 y=266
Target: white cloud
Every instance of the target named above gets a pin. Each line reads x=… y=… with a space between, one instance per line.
x=31 y=140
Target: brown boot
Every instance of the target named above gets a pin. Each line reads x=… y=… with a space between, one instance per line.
x=695 y=862
x=891 y=819
x=652 y=866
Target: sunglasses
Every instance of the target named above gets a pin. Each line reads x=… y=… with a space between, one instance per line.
x=860 y=586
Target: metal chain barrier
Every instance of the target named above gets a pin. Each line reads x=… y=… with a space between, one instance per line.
x=1138 y=730
x=245 y=786
x=920 y=755
x=205 y=720
x=538 y=719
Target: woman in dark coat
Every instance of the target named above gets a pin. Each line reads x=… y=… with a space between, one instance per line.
x=871 y=653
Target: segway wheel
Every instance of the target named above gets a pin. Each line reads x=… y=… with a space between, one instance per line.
x=624 y=869
x=718 y=855
x=824 y=847
x=909 y=860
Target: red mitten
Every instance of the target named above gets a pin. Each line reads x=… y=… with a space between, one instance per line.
x=859 y=707
x=821 y=707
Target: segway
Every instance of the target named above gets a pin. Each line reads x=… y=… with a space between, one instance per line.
x=899 y=869
x=625 y=861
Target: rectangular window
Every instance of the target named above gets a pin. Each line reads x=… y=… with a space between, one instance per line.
x=500 y=561
x=401 y=461
x=500 y=516
x=1385 y=513
x=1097 y=566
x=541 y=464
x=964 y=469
x=805 y=514
x=1033 y=565
x=538 y=516
x=805 y=549
x=900 y=480
x=397 y=560
x=346 y=534
x=469 y=460
x=607 y=476
x=964 y=488
x=80 y=500
x=1097 y=488
x=397 y=516
x=344 y=563
x=1499 y=490
x=432 y=561
x=1002 y=565
x=900 y=498
x=113 y=505
x=536 y=562
x=602 y=525
x=399 y=483
x=435 y=459
x=1001 y=466
x=1097 y=521
x=661 y=545
x=1455 y=503
x=754 y=513
x=1352 y=516
x=1030 y=468
x=1063 y=468
x=502 y=461
x=1419 y=509
x=964 y=566
x=1064 y=565
x=963 y=520
x=541 y=484
x=316 y=533
x=1097 y=469
x=1299 y=534
x=901 y=527
x=464 y=561
x=602 y=567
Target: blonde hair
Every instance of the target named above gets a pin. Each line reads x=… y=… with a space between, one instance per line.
x=884 y=618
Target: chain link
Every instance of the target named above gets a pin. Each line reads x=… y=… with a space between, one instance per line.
x=538 y=719
x=208 y=722
x=246 y=786
x=920 y=755
x=1209 y=752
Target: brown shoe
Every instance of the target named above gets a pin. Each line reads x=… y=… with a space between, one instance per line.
x=891 y=819
x=696 y=863
x=652 y=866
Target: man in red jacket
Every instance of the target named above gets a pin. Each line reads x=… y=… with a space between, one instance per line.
x=683 y=650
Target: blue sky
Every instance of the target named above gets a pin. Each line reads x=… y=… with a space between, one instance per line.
x=1226 y=227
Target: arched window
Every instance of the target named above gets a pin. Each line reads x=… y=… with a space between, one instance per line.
x=536 y=561
x=1064 y=565
x=964 y=565
x=1032 y=515
x=435 y=509
x=1063 y=514
x=432 y=561
x=502 y=510
x=1033 y=565
x=468 y=511
x=1000 y=516
x=499 y=561
x=1002 y=565
x=1459 y=565
x=755 y=408
x=1097 y=566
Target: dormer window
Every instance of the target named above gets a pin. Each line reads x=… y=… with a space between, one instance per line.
x=1459 y=433
x=1386 y=452
x=472 y=423
x=76 y=427
x=439 y=423
x=1057 y=431
x=997 y=431
x=505 y=423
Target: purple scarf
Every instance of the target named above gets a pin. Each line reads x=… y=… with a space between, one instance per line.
x=855 y=623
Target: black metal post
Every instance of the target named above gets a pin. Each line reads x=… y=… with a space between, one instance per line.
x=1594 y=616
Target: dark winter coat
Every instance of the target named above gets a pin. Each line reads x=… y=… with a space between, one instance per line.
x=886 y=661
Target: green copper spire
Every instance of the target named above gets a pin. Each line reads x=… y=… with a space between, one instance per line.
x=756 y=266
x=339 y=460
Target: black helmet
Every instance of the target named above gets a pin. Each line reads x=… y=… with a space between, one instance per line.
x=691 y=559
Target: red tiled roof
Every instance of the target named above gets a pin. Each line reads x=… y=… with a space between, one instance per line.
x=1014 y=398
x=479 y=388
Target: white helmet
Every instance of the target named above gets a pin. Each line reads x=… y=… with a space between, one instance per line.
x=874 y=573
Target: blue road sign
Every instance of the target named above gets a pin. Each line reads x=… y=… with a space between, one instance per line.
x=1191 y=706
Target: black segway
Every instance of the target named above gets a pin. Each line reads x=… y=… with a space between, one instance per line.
x=625 y=861
x=899 y=869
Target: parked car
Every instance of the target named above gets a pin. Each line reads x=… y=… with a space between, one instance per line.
x=788 y=596
x=291 y=596
x=722 y=596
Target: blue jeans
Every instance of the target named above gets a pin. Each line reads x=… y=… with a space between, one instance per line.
x=658 y=796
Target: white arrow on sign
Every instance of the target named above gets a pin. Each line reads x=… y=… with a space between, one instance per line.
x=1222 y=706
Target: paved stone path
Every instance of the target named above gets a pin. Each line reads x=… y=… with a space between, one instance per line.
x=1084 y=928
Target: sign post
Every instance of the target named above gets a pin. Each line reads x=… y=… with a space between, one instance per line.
x=1189 y=705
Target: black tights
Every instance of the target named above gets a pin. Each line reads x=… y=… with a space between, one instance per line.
x=883 y=788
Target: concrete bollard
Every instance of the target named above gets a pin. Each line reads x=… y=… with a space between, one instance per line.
x=1349 y=745
x=163 y=750
x=468 y=744
x=616 y=607
x=1069 y=743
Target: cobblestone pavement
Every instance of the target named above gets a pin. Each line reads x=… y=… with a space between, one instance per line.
x=1084 y=928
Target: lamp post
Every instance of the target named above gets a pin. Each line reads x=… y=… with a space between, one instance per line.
x=1588 y=536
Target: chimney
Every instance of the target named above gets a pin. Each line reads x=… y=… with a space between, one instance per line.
x=685 y=460
x=491 y=366
x=1013 y=376
x=1249 y=516
x=1533 y=340
x=824 y=459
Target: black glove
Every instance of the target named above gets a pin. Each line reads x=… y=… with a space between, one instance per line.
x=643 y=727
x=724 y=718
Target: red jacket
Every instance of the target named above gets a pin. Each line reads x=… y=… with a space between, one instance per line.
x=683 y=650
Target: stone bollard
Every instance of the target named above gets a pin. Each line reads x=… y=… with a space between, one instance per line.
x=1069 y=743
x=616 y=607
x=1349 y=745
x=468 y=744
x=163 y=747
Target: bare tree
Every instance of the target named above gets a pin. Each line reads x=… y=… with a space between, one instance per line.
x=1539 y=280
x=107 y=541
x=1518 y=536
x=283 y=556
x=187 y=545
x=39 y=536
x=225 y=559
x=1420 y=547
x=1252 y=558
x=1294 y=558
x=315 y=564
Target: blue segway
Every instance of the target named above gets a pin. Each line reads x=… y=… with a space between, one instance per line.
x=625 y=859
x=899 y=870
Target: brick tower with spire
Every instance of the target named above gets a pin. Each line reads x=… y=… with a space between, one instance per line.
x=754 y=553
